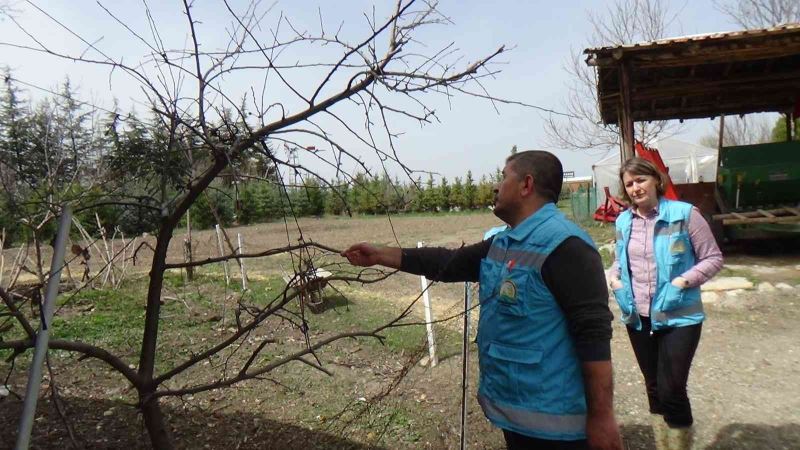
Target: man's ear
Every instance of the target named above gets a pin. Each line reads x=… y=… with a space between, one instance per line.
x=528 y=187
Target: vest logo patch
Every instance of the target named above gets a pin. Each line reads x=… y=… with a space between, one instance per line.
x=678 y=247
x=508 y=292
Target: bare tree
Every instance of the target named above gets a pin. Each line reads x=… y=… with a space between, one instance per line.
x=623 y=22
x=745 y=130
x=760 y=13
x=385 y=76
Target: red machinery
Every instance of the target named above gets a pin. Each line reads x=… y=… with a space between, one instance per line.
x=609 y=211
x=613 y=206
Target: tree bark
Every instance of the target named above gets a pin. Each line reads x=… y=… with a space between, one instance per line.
x=155 y=424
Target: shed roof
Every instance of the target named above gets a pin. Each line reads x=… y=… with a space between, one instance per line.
x=705 y=75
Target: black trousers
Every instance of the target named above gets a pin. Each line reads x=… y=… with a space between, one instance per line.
x=664 y=358
x=516 y=441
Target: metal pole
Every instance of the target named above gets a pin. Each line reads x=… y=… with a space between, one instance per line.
x=43 y=336
x=465 y=364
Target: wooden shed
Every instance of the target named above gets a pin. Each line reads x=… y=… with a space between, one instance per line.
x=705 y=76
x=698 y=76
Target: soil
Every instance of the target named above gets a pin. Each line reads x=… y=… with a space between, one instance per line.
x=744 y=383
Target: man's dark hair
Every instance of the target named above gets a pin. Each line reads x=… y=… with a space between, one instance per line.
x=544 y=167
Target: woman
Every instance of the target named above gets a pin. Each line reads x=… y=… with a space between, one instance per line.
x=665 y=251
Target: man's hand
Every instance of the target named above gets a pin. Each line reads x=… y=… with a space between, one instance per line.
x=602 y=432
x=362 y=254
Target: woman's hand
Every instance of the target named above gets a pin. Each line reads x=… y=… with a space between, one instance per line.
x=615 y=283
x=680 y=282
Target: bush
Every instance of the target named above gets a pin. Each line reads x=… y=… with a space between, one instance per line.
x=211 y=200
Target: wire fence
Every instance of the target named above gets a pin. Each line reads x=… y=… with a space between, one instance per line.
x=583 y=203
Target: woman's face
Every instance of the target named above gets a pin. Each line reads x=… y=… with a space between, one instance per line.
x=641 y=189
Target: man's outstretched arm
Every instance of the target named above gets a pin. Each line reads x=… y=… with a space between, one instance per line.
x=365 y=255
x=436 y=263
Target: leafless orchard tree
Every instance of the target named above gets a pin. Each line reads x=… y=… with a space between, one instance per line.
x=385 y=75
x=623 y=22
x=760 y=13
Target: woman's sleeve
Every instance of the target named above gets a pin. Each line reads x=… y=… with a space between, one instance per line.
x=706 y=250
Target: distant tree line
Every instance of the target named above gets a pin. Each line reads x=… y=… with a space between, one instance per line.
x=60 y=148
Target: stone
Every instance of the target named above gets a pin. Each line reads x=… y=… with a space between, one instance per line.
x=710 y=297
x=765 y=287
x=784 y=286
x=727 y=284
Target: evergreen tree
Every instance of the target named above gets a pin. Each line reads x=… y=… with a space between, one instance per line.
x=336 y=201
x=416 y=193
x=470 y=192
x=498 y=176
x=456 y=194
x=485 y=195
x=315 y=195
x=444 y=196
x=429 y=195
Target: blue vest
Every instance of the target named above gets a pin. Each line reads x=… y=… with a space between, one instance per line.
x=674 y=255
x=530 y=376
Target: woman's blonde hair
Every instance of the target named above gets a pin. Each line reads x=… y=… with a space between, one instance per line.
x=640 y=166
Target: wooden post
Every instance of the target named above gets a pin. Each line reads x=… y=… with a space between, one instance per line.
x=187 y=247
x=789 y=126
x=428 y=318
x=241 y=263
x=221 y=254
x=625 y=114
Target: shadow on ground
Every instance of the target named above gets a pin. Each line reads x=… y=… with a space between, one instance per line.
x=753 y=436
x=637 y=437
x=737 y=436
x=100 y=424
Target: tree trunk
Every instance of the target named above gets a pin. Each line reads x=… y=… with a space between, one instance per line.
x=156 y=426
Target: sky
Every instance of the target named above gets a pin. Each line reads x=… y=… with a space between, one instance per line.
x=472 y=134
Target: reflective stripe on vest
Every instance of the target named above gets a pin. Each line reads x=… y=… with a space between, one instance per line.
x=671 y=228
x=563 y=424
x=520 y=257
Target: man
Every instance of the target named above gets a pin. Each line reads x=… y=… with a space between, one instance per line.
x=545 y=327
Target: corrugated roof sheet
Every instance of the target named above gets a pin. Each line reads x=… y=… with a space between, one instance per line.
x=698 y=38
